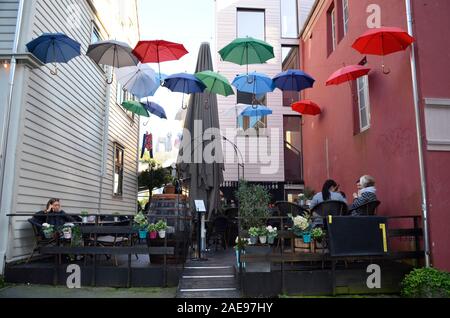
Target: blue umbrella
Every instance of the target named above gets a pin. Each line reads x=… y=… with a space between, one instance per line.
x=160 y=78
x=293 y=80
x=254 y=83
x=251 y=111
x=54 y=48
x=184 y=83
x=155 y=109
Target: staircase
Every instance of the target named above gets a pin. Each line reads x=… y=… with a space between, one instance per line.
x=215 y=278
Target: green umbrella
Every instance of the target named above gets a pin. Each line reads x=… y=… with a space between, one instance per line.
x=135 y=107
x=245 y=51
x=215 y=83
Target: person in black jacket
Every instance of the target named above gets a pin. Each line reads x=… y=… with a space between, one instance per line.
x=52 y=215
x=368 y=193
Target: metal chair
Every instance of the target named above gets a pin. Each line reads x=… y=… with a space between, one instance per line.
x=334 y=208
x=39 y=239
x=368 y=209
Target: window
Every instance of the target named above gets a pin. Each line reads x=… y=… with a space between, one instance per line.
x=257 y=123
x=437 y=117
x=291 y=60
x=122 y=96
x=345 y=15
x=363 y=102
x=95 y=36
x=289 y=19
x=333 y=29
x=251 y=23
x=118 y=170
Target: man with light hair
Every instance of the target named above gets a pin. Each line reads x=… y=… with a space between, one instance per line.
x=366 y=195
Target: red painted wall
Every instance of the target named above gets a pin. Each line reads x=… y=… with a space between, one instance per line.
x=388 y=150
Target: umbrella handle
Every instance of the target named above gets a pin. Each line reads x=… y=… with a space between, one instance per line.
x=386 y=71
x=54 y=72
x=110 y=81
x=145 y=124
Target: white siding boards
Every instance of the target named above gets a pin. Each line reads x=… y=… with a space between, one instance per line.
x=59 y=151
x=8 y=16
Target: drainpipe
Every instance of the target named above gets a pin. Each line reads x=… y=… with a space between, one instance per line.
x=419 y=135
x=5 y=133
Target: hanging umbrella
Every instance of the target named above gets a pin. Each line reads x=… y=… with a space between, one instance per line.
x=215 y=83
x=184 y=83
x=158 y=51
x=112 y=53
x=293 y=80
x=347 y=73
x=54 y=48
x=135 y=107
x=140 y=80
x=251 y=111
x=383 y=41
x=155 y=109
x=245 y=51
x=160 y=78
x=307 y=107
x=254 y=83
x=203 y=178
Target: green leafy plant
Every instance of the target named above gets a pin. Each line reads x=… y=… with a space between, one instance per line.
x=317 y=234
x=253 y=205
x=152 y=228
x=161 y=226
x=426 y=283
x=262 y=231
x=84 y=213
x=48 y=229
x=253 y=232
x=302 y=225
x=77 y=237
x=272 y=231
x=241 y=244
x=154 y=177
x=140 y=221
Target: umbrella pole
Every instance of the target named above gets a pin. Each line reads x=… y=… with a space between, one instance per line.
x=54 y=72
x=110 y=81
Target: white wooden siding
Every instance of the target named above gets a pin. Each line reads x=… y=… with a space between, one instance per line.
x=61 y=142
x=8 y=17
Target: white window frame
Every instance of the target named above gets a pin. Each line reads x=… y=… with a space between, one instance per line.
x=119 y=193
x=362 y=85
x=333 y=28
x=345 y=16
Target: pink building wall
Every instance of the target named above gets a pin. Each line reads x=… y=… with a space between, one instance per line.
x=388 y=149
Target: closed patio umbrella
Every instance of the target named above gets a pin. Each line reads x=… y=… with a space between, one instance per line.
x=204 y=179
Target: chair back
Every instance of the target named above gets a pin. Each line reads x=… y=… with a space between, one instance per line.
x=334 y=208
x=36 y=231
x=368 y=209
x=285 y=208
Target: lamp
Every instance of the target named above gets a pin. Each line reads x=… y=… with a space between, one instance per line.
x=5 y=64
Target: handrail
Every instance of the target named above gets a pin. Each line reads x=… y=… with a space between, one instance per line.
x=293 y=147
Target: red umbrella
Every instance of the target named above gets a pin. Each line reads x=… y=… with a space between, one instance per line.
x=158 y=51
x=307 y=107
x=383 y=41
x=347 y=73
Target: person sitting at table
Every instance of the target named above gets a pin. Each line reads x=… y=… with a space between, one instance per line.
x=368 y=193
x=53 y=215
x=330 y=192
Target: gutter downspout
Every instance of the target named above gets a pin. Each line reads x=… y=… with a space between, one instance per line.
x=419 y=135
x=4 y=222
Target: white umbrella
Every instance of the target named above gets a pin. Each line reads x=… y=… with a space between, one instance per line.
x=140 y=80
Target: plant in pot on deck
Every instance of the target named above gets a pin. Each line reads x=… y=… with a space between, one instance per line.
x=153 y=231
x=84 y=216
x=263 y=232
x=48 y=230
x=318 y=235
x=272 y=234
x=302 y=227
x=253 y=232
x=141 y=223
x=161 y=227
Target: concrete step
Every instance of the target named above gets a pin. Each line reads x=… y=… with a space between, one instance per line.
x=207 y=283
x=217 y=293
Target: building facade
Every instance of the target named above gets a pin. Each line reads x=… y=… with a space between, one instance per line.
x=369 y=126
x=68 y=136
x=271 y=146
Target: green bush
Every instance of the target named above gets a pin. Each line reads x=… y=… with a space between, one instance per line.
x=2 y=282
x=253 y=205
x=426 y=283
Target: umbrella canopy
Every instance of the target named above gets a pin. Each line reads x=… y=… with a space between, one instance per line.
x=307 y=107
x=112 y=53
x=215 y=83
x=135 y=107
x=245 y=51
x=293 y=80
x=383 y=41
x=140 y=80
x=155 y=109
x=347 y=73
x=54 y=48
x=203 y=178
x=184 y=83
x=254 y=83
x=251 y=111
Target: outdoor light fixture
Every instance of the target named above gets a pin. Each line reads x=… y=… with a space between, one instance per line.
x=5 y=63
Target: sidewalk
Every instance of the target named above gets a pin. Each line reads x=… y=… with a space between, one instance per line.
x=22 y=291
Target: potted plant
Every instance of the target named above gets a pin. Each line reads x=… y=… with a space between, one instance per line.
x=161 y=227
x=48 y=230
x=84 y=216
x=153 y=231
x=302 y=229
x=116 y=217
x=241 y=244
x=141 y=222
x=67 y=232
x=272 y=234
x=317 y=235
x=262 y=233
x=253 y=232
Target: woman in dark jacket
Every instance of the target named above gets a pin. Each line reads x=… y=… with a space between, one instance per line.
x=53 y=215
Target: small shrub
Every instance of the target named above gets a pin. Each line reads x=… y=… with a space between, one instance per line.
x=426 y=283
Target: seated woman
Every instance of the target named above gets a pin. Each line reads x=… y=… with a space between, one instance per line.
x=329 y=193
x=366 y=194
x=52 y=215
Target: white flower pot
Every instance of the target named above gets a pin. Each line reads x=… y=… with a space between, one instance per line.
x=162 y=234
x=67 y=235
x=263 y=239
x=84 y=219
x=253 y=240
x=116 y=219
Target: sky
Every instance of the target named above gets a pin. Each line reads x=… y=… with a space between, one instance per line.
x=190 y=22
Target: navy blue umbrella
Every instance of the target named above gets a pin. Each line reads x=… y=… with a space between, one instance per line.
x=293 y=80
x=184 y=83
x=54 y=48
x=155 y=109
